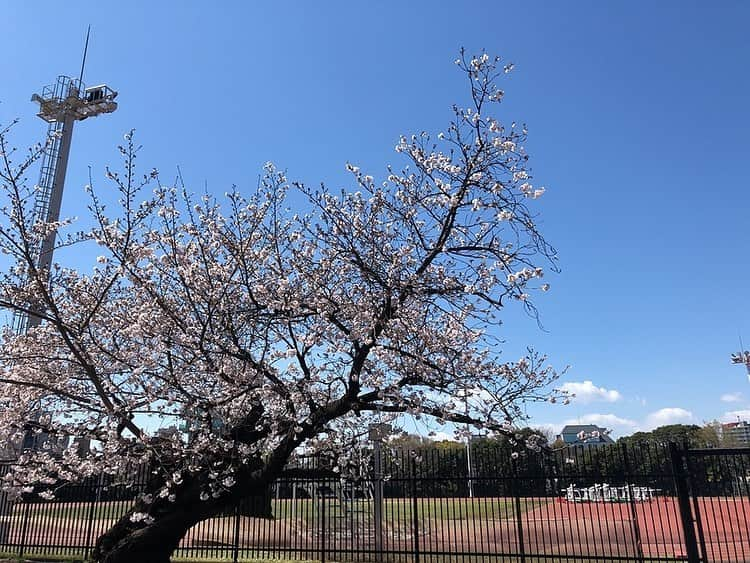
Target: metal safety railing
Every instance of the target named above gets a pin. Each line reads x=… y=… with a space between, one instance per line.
x=427 y=506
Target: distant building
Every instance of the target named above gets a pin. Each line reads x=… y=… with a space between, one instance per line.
x=36 y=441
x=585 y=435
x=168 y=433
x=736 y=433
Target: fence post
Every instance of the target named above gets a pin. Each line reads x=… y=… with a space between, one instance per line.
x=377 y=494
x=631 y=501
x=236 y=549
x=694 y=495
x=6 y=509
x=414 y=507
x=515 y=489
x=24 y=527
x=697 y=512
x=322 y=528
x=90 y=526
x=682 y=489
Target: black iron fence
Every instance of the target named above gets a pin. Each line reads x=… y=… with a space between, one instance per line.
x=610 y=503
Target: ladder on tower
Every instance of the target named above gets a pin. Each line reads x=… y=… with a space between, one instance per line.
x=50 y=160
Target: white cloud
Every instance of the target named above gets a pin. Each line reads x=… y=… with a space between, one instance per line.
x=732 y=397
x=668 y=415
x=586 y=392
x=605 y=420
x=732 y=416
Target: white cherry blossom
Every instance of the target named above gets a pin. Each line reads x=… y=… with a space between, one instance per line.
x=264 y=331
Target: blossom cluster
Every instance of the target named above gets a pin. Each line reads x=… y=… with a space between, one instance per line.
x=254 y=330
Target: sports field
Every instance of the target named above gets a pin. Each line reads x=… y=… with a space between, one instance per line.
x=439 y=528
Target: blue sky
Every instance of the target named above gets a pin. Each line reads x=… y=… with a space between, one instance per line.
x=638 y=122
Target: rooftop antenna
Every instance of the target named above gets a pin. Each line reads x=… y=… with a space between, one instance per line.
x=60 y=105
x=85 y=50
x=742 y=357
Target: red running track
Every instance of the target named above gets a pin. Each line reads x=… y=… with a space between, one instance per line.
x=608 y=528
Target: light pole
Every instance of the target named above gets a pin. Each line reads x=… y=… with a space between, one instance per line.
x=377 y=432
x=469 y=468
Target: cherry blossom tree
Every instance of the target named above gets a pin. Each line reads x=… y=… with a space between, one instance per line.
x=264 y=331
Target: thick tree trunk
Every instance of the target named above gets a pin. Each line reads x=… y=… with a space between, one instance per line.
x=154 y=543
x=128 y=542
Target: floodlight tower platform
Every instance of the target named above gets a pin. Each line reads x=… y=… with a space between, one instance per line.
x=743 y=357
x=60 y=105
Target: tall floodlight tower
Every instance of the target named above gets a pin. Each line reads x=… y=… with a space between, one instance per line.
x=60 y=105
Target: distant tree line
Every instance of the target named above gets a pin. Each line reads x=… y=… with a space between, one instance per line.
x=643 y=459
x=706 y=436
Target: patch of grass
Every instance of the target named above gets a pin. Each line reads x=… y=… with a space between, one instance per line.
x=12 y=557
x=400 y=510
x=397 y=510
x=104 y=510
x=241 y=560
